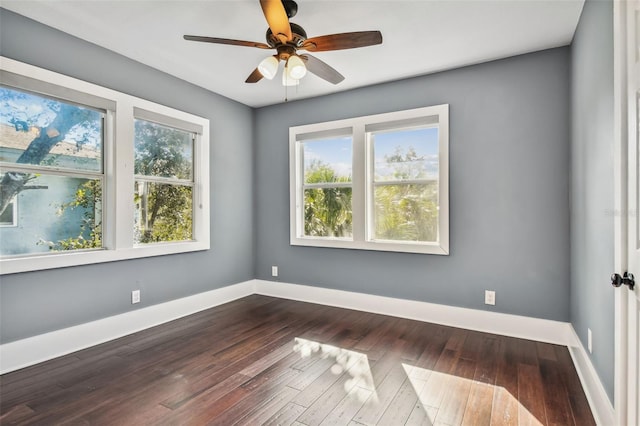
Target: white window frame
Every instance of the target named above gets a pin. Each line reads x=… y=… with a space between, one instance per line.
x=362 y=179
x=14 y=215
x=118 y=206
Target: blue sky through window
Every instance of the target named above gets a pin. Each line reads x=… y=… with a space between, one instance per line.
x=422 y=141
x=23 y=111
x=337 y=152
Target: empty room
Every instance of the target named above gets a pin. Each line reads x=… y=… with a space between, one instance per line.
x=319 y=212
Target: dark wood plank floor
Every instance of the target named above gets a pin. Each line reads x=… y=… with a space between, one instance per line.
x=261 y=360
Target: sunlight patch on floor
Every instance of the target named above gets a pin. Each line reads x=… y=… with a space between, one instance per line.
x=437 y=394
x=360 y=386
x=430 y=386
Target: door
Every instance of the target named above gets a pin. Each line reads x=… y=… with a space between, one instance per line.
x=633 y=187
x=627 y=64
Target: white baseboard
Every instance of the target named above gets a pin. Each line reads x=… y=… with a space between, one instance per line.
x=541 y=330
x=601 y=407
x=36 y=349
x=33 y=350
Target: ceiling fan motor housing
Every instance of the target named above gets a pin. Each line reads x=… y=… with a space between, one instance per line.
x=299 y=35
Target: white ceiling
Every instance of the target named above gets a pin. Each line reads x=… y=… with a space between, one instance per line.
x=419 y=36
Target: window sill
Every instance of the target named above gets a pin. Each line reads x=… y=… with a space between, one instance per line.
x=438 y=248
x=53 y=260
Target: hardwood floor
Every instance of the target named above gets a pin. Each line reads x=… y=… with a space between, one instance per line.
x=262 y=360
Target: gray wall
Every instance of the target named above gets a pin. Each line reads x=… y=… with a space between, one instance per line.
x=509 y=190
x=37 y=302
x=592 y=232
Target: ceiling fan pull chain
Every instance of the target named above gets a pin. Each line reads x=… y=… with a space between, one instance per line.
x=286 y=98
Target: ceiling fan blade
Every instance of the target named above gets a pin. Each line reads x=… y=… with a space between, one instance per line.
x=342 y=41
x=232 y=42
x=322 y=69
x=277 y=19
x=254 y=77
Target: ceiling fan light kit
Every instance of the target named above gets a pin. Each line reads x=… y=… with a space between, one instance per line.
x=269 y=67
x=287 y=38
x=295 y=67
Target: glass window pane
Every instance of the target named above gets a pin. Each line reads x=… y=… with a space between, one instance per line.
x=327 y=160
x=406 y=154
x=163 y=151
x=57 y=213
x=406 y=212
x=327 y=212
x=164 y=212
x=48 y=132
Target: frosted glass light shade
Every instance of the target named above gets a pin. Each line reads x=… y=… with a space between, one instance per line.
x=296 y=68
x=268 y=67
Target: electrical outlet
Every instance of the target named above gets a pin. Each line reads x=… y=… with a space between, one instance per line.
x=489 y=297
x=135 y=296
x=590 y=340
x=274 y=271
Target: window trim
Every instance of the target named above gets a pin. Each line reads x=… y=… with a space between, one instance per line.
x=362 y=180
x=118 y=211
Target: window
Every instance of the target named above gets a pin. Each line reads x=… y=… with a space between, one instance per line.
x=375 y=183
x=327 y=187
x=81 y=200
x=163 y=192
x=51 y=158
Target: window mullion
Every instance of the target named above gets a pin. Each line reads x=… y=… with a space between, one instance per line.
x=358 y=201
x=164 y=180
x=370 y=161
x=121 y=213
x=404 y=182
x=326 y=185
x=36 y=169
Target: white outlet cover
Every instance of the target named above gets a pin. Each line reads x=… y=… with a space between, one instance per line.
x=489 y=297
x=274 y=271
x=135 y=296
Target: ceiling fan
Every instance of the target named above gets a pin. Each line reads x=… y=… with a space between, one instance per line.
x=287 y=38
